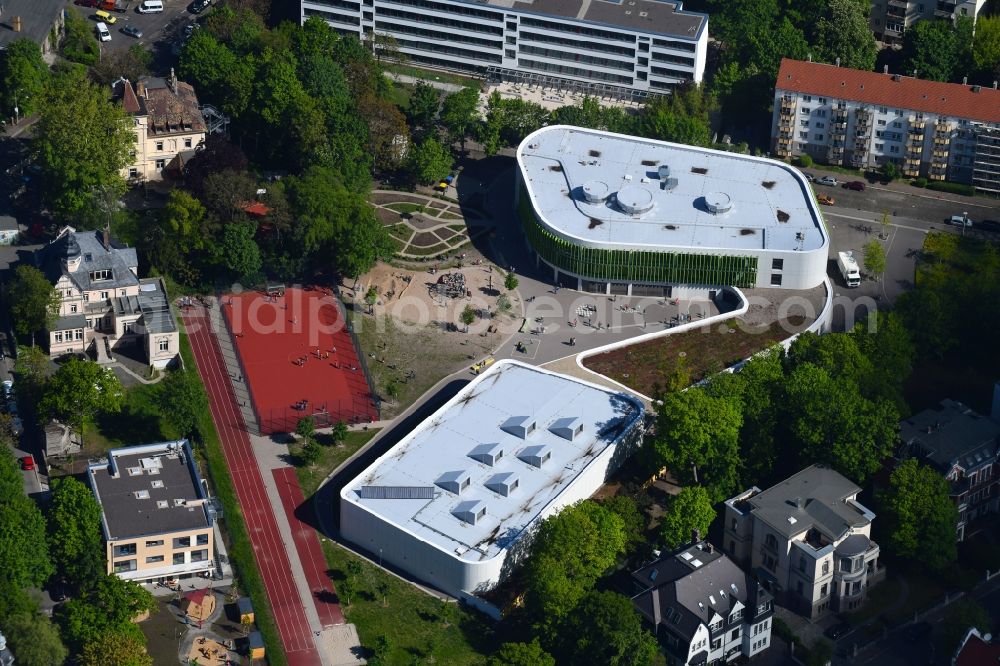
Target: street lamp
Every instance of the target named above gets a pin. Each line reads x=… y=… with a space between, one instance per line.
x=965 y=221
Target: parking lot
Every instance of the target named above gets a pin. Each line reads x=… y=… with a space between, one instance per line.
x=160 y=31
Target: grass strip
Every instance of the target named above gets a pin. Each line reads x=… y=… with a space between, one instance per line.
x=240 y=551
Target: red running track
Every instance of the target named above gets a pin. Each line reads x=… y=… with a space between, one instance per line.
x=272 y=559
x=307 y=545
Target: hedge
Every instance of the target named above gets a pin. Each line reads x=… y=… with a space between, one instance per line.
x=240 y=550
x=952 y=188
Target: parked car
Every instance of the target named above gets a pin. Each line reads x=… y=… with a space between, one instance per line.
x=811 y=178
x=837 y=630
x=16 y=426
x=856 y=185
x=103 y=34
x=825 y=199
x=828 y=180
x=8 y=389
x=102 y=15
x=960 y=220
x=198 y=6
x=132 y=31
x=27 y=463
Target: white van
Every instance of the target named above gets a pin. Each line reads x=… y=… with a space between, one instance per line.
x=150 y=7
x=103 y=33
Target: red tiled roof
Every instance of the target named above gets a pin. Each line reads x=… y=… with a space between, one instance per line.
x=197 y=596
x=129 y=100
x=257 y=209
x=947 y=99
x=977 y=652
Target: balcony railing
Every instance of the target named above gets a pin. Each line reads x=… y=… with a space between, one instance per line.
x=943 y=13
x=900 y=4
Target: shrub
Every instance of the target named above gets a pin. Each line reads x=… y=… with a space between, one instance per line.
x=919 y=182
x=951 y=188
x=803 y=161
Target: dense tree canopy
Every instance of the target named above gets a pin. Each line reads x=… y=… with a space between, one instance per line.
x=605 y=630
x=843 y=32
x=931 y=50
x=32 y=300
x=24 y=554
x=82 y=140
x=688 y=511
x=116 y=648
x=23 y=75
x=571 y=550
x=696 y=437
x=33 y=639
x=80 y=389
x=522 y=654
x=74 y=531
x=919 y=516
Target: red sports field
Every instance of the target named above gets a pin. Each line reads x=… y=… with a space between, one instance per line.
x=298 y=358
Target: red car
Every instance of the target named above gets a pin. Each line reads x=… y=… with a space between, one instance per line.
x=27 y=463
x=856 y=185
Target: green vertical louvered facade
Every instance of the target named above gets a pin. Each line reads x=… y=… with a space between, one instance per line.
x=634 y=265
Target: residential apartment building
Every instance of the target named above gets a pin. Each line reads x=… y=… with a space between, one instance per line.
x=854 y=118
x=169 y=125
x=963 y=446
x=808 y=540
x=155 y=513
x=104 y=303
x=703 y=608
x=891 y=18
x=610 y=48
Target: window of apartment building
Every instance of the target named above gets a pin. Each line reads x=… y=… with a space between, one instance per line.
x=882 y=109
x=159 y=145
x=201 y=540
x=72 y=308
x=510 y=53
x=641 y=76
x=818 y=137
x=893 y=149
x=777 y=265
x=803 y=135
x=879 y=146
x=803 y=123
x=199 y=555
x=879 y=134
x=78 y=334
x=845 y=564
x=737 y=615
x=776 y=279
x=898 y=112
x=735 y=635
x=132 y=171
x=644 y=47
x=763 y=608
x=178 y=558
x=164 y=344
x=807 y=98
x=100 y=275
x=821 y=113
x=820 y=125
x=124 y=566
x=187 y=143
x=880 y=122
x=104 y=295
x=58 y=336
x=896 y=124
x=717 y=643
x=919 y=115
x=129 y=327
x=805 y=110
x=826 y=567
x=154 y=559
x=182 y=542
x=822 y=100
x=154 y=544
x=823 y=589
x=160 y=164
x=512 y=39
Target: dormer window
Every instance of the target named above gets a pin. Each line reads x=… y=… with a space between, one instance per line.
x=88 y=257
x=97 y=276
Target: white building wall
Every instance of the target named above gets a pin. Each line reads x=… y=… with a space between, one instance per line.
x=393 y=544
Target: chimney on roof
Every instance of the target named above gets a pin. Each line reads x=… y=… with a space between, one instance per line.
x=965 y=80
x=106 y=238
x=885 y=69
x=809 y=57
x=915 y=73
x=173 y=80
x=695 y=536
x=994 y=85
x=838 y=61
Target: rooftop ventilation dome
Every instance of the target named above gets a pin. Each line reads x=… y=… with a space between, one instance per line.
x=635 y=199
x=595 y=191
x=718 y=202
x=664 y=171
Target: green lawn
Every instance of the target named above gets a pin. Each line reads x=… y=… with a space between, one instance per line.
x=138 y=422
x=399 y=94
x=431 y=251
x=409 y=618
x=312 y=477
x=432 y=75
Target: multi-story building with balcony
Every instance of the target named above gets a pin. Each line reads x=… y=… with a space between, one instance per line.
x=963 y=446
x=808 y=540
x=703 y=608
x=155 y=514
x=890 y=19
x=104 y=305
x=854 y=118
x=626 y=49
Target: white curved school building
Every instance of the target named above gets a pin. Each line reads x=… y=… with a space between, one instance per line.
x=613 y=211
x=454 y=503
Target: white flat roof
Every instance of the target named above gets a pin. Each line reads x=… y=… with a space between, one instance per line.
x=770 y=204
x=406 y=485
